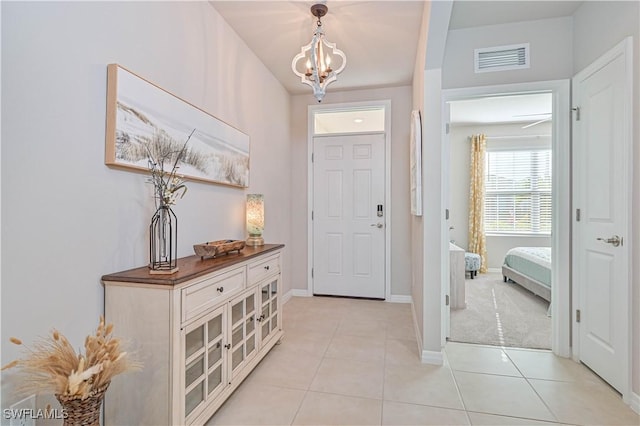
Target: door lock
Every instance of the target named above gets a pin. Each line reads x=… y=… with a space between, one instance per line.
x=614 y=241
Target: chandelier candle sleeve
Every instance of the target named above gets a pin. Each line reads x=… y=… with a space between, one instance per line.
x=317 y=66
x=255 y=219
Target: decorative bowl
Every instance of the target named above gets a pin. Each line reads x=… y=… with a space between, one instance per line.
x=216 y=248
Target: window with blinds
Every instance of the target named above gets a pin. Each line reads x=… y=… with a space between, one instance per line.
x=518 y=192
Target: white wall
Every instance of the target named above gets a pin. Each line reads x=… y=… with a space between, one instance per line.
x=497 y=245
x=417 y=225
x=400 y=128
x=598 y=26
x=434 y=246
x=433 y=216
x=550 y=52
x=67 y=219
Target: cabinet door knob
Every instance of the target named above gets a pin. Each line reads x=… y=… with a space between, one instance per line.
x=220 y=289
x=228 y=346
x=266 y=267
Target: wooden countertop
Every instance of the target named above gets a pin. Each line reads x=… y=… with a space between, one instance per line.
x=190 y=267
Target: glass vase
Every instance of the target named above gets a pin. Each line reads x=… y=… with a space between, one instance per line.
x=163 y=241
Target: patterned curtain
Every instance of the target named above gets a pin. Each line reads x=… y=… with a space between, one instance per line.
x=477 y=242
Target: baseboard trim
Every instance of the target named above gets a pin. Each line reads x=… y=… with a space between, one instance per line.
x=294 y=292
x=634 y=402
x=297 y=292
x=416 y=329
x=426 y=357
x=431 y=357
x=399 y=298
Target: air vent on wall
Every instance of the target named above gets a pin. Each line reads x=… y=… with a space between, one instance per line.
x=502 y=58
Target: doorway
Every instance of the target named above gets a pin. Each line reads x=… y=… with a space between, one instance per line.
x=560 y=160
x=516 y=175
x=349 y=199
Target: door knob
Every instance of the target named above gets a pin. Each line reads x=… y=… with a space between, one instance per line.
x=377 y=225
x=614 y=241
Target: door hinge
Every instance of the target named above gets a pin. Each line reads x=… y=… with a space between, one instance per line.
x=447 y=128
x=312 y=157
x=311 y=272
x=311 y=214
x=446 y=300
x=577 y=315
x=577 y=110
x=446 y=214
x=577 y=215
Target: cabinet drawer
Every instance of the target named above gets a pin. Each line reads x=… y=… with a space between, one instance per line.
x=263 y=269
x=201 y=296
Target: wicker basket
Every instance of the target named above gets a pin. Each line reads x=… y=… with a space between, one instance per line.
x=83 y=411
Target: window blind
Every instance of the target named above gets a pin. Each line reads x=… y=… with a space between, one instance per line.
x=518 y=192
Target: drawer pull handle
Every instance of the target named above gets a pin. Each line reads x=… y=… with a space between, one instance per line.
x=260 y=318
x=220 y=289
x=228 y=346
x=266 y=267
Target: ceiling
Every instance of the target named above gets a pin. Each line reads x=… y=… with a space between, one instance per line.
x=379 y=38
x=467 y=14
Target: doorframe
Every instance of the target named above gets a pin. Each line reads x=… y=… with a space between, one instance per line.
x=561 y=187
x=625 y=47
x=312 y=109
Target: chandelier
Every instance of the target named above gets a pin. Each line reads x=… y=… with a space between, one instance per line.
x=319 y=53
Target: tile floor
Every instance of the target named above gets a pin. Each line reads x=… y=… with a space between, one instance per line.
x=355 y=362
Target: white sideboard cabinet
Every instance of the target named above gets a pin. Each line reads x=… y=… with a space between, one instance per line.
x=198 y=332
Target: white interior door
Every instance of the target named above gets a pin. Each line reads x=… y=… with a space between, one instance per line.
x=348 y=233
x=602 y=179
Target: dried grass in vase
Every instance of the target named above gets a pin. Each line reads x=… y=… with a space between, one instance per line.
x=53 y=366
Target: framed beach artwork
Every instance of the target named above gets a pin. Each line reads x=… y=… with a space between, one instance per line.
x=415 y=163
x=144 y=120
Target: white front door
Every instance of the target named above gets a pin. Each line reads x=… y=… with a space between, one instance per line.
x=602 y=178
x=348 y=233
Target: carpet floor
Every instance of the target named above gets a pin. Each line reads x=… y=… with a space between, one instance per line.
x=501 y=314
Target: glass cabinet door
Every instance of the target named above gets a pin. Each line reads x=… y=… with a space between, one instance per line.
x=204 y=374
x=269 y=312
x=243 y=330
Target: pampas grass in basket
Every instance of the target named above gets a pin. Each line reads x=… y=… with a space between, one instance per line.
x=51 y=365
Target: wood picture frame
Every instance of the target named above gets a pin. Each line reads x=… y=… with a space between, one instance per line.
x=415 y=163
x=143 y=118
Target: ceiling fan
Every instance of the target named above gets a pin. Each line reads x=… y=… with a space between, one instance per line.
x=544 y=117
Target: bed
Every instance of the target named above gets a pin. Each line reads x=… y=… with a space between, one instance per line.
x=530 y=267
